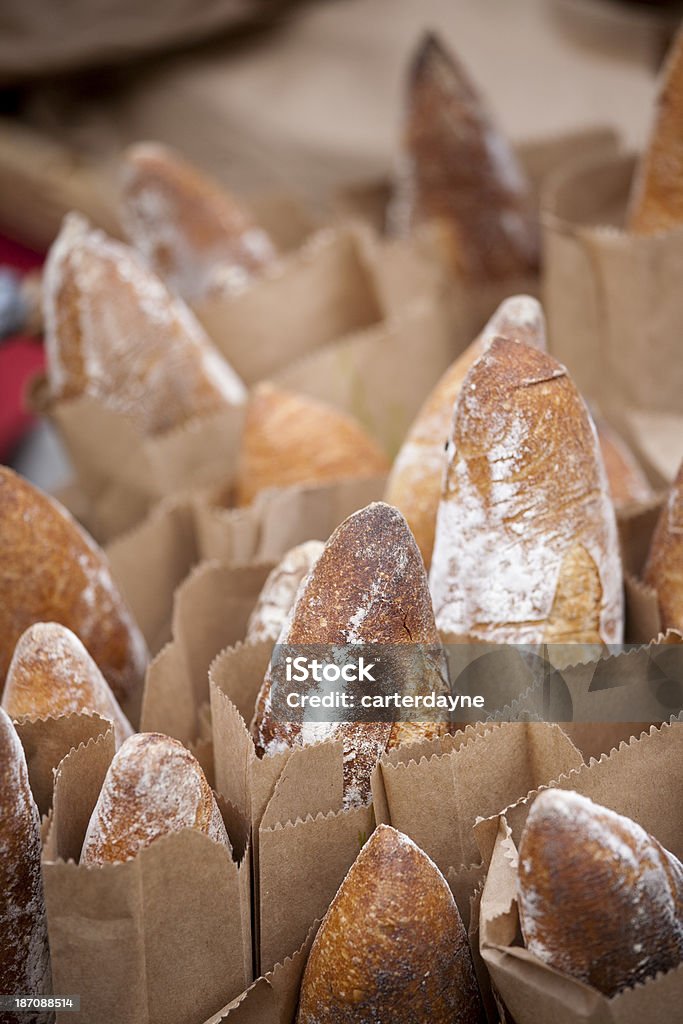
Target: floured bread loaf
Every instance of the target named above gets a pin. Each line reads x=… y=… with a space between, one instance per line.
x=458 y=169
x=52 y=571
x=279 y=591
x=367 y=587
x=292 y=439
x=115 y=332
x=24 y=952
x=657 y=190
x=414 y=485
x=664 y=566
x=599 y=898
x=154 y=786
x=392 y=946
x=526 y=546
x=191 y=231
x=626 y=480
x=51 y=673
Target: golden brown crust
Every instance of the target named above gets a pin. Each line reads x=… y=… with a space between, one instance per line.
x=657 y=190
x=279 y=591
x=414 y=485
x=24 y=953
x=526 y=543
x=460 y=170
x=50 y=570
x=664 y=567
x=154 y=786
x=627 y=481
x=292 y=439
x=392 y=945
x=367 y=586
x=115 y=332
x=599 y=898
x=186 y=225
x=51 y=673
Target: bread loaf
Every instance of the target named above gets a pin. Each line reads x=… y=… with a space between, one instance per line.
x=598 y=897
x=154 y=786
x=458 y=169
x=392 y=946
x=24 y=952
x=52 y=571
x=626 y=480
x=51 y=673
x=526 y=545
x=292 y=439
x=664 y=566
x=279 y=591
x=114 y=331
x=191 y=232
x=657 y=189
x=367 y=587
x=414 y=485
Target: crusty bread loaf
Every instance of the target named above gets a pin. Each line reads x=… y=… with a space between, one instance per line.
x=392 y=946
x=114 y=331
x=458 y=169
x=657 y=189
x=526 y=545
x=292 y=439
x=51 y=673
x=24 y=952
x=154 y=786
x=51 y=570
x=627 y=481
x=599 y=898
x=367 y=587
x=414 y=485
x=664 y=566
x=279 y=591
x=191 y=231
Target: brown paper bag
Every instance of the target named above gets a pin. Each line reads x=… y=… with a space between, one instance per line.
x=641 y=780
x=163 y=937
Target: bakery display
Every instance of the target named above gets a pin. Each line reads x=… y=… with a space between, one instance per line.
x=51 y=673
x=52 y=571
x=392 y=945
x=293 y=439
x=193 y=233
x=279 y=591
x=664 y=566
x=599 y=898
x=657 y=188
x=414 y=484
x=154 y=786
x=24 y=951
x=627 y=482
x=526 y=546
x=458 y=169
x=114 y=332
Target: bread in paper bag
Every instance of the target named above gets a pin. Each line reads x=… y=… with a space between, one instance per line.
x=664 y=566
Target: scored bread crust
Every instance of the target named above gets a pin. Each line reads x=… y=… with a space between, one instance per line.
x=599 y=898
x=51 y=673
x=115 y=332
x=154 y=786
x=392 y=945
x=24 y=952
x=51 y=570
x=526 y=545
x=293 y=439
x=279 y=591
x=187 y=226
x=368 y=586
x=656 y=202
x=414 y=485
x=627 y=481
x=664 y=566
x=458 y=169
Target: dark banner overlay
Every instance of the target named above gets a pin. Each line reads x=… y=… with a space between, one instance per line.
x=476 y=682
